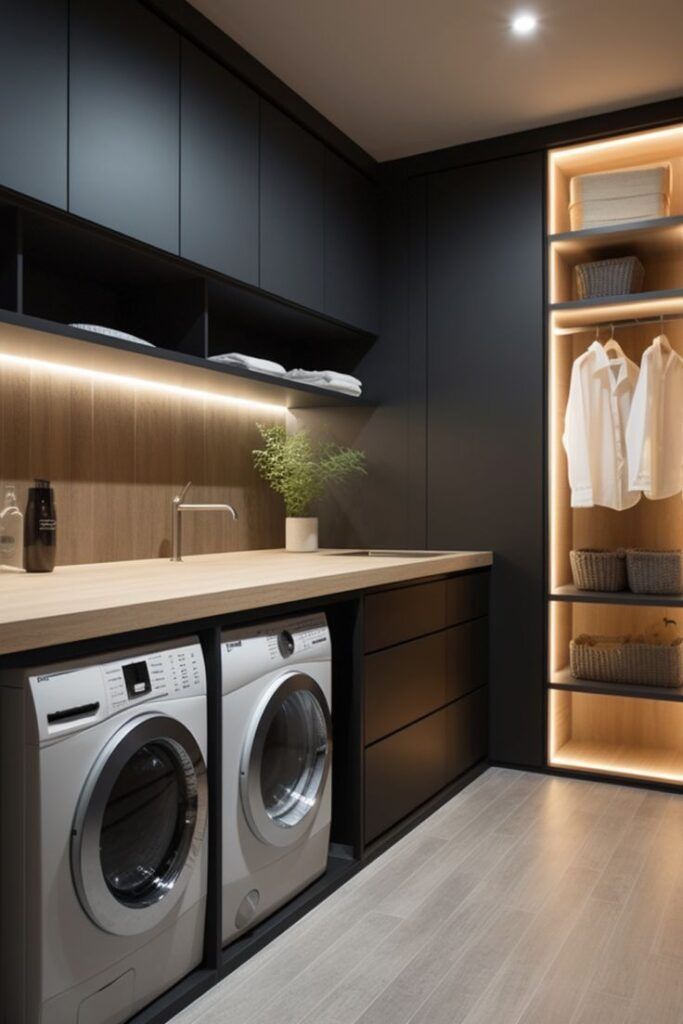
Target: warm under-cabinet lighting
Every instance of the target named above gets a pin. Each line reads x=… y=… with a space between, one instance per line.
x=137 y=383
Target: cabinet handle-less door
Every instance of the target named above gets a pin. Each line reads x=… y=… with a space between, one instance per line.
x=33 y=110
x=219 y=185
x=124 y=131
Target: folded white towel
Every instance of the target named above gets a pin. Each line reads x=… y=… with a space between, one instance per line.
x=326 y=377
x=337 y=385
x=250 y=363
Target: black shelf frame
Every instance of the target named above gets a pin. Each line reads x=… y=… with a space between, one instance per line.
x=564 y=681
x=56 y=269
x=633 y=299
x=570 y=593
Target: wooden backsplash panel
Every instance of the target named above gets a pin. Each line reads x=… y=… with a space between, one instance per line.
x=117 y=454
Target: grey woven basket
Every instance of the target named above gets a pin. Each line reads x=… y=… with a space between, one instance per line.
x=598 y=570
x=620 y=276
x=605 y=659
x=654 y=572
x=653 y=664
x=597 y=658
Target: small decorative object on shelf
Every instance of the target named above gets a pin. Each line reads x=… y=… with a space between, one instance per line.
x=301 y=471
x=598 y=570
x=654 y=572
x=654 y=658
x=600 y=278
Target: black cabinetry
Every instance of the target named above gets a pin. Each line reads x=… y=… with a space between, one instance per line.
x=219 y=183
x=485 y=416
x=351 y=245
x=124 y=138
x=33 y=109
x=292 y=210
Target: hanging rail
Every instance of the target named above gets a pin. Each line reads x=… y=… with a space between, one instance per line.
x=614 y=324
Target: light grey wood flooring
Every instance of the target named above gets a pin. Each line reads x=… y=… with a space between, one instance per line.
x=524 y=900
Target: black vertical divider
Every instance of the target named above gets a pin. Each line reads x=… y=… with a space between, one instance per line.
x=11 y=259
x=213 y=933
x=346 y=624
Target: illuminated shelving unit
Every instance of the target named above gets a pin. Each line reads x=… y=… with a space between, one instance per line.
x=621 y=731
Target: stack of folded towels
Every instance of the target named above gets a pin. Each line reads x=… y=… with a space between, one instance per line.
x=342 y=382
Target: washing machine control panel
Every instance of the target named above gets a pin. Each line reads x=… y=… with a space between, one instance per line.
x=72 y=698
x=255 y=650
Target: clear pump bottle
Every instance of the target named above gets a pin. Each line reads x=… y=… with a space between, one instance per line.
x=11 y=532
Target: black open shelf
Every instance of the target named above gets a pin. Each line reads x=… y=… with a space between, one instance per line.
x=56 y=269
x=563 y=680
x=643 y=236
x=568 y=592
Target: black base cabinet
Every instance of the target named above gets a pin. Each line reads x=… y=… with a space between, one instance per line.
x=425 y=694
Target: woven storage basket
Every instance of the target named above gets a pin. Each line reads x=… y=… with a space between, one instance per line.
x=653 y=664
x=598 y=658
x=620 y=276
x=604 y=659
x=655 y=572
x=598 y=570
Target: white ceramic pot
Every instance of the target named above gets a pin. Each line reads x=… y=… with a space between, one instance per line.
x=301 y=533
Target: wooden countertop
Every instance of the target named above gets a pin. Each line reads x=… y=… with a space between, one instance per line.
x=82 y=601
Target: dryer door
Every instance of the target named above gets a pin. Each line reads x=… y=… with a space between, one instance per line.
x=286 y=760
x=139 y=825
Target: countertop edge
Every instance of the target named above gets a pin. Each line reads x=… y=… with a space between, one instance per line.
x=47 y=630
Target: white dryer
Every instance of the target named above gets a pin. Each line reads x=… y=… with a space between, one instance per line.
x=104 y=814
x=277 y=756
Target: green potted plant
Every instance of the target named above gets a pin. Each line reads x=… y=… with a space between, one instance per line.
x=301 y=470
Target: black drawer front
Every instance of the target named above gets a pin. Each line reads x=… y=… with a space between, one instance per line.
x=405 y=683
x=467 y=657
x=467 y=732
x=405 y=770
x=393 y=616
x=467 y=597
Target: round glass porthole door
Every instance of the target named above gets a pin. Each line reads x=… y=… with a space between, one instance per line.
x=286 y=760
x=139 y=825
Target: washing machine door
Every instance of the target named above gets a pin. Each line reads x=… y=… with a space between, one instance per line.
x=286 y=759
x=139 y=825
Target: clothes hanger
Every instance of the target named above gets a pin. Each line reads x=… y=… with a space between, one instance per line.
x=612 y=345
x=666 y=344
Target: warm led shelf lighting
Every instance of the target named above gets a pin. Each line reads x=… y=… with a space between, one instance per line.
x=136 y=383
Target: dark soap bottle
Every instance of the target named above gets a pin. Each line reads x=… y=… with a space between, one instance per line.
x=40 y=528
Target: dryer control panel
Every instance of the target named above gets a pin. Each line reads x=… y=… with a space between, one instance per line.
x=249 y=653
x=76 y=695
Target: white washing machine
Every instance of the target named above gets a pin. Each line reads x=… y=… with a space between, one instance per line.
x=104 y=814
x=277 y=757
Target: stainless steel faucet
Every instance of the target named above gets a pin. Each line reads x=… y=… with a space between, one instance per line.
x=178 y=506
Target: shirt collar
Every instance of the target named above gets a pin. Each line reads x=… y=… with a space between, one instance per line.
x=604 y=365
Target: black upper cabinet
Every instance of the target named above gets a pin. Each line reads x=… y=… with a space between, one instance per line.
x=485 y=417
x=219 y=186
x=33 y=110
x=292 y=210
x=351 y=257
x=124 y=138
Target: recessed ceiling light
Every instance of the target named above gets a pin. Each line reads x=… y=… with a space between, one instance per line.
x=524 y=24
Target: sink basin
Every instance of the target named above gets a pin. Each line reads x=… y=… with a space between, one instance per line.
x=378 y=553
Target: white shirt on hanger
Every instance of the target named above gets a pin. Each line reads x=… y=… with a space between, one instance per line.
x=654 y=436
x=600 y=396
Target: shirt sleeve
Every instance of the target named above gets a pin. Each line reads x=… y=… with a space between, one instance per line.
x=575 y=441
x=638 y=432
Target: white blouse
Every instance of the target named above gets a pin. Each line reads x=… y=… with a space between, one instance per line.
x=600 y=396
x=654 y=436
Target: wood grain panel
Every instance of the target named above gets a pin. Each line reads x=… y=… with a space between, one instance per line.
x=116 y=456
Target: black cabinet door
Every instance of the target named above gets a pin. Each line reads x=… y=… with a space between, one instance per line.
x=486 y=419
x=219 y=182
x=292 y=209
x=33 y=86
x=124 y=120
x=351 y=240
